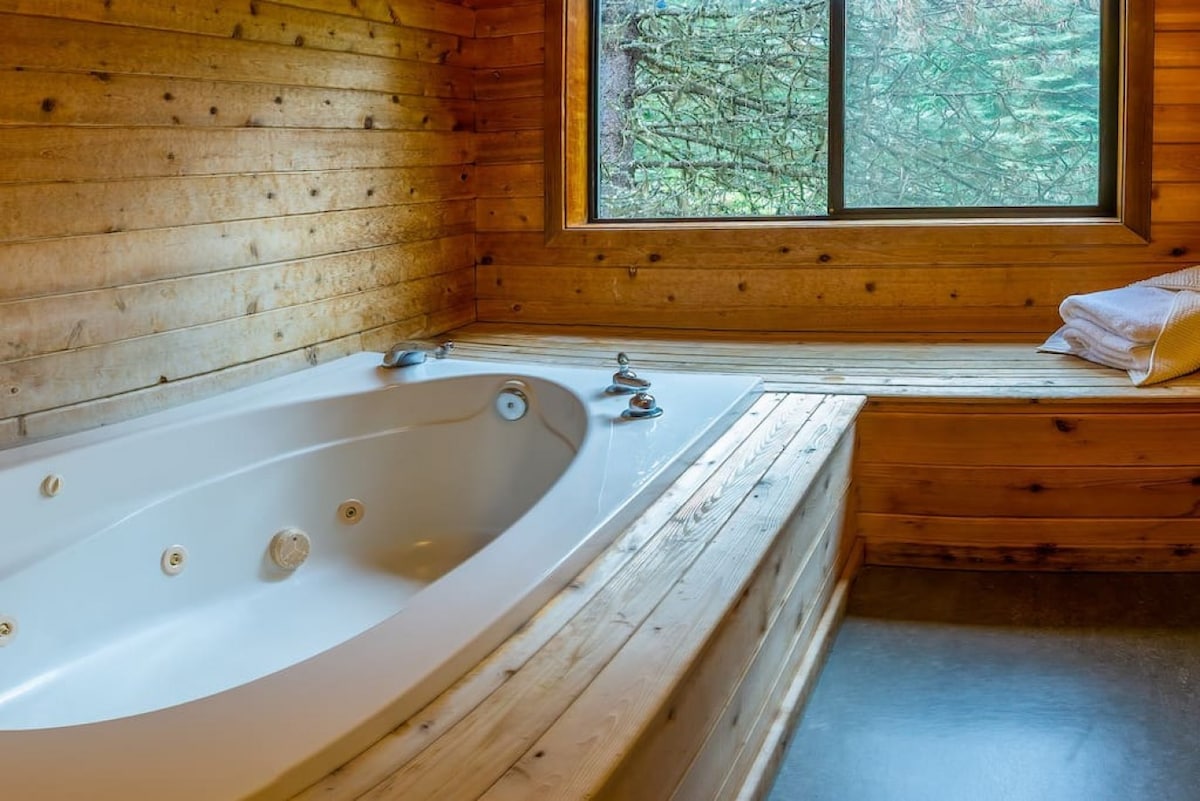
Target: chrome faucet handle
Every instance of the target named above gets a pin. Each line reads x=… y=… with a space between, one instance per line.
x=642 y=406
x=443 y=350
x=625 y=381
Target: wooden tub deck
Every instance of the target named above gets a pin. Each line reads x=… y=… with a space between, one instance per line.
x=673 y=666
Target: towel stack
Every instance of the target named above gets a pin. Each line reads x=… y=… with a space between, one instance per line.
x=1150 y=328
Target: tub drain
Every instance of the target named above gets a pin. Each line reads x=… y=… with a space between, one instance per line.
x=511 y=402
x=8 y=629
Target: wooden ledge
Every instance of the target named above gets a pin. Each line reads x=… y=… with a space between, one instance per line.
x=661 y=669
x=972 y=454
x=922 y=369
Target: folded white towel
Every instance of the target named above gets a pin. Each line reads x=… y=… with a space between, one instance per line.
x=1160 y=313
x=1091 y=342
x=1135 y=313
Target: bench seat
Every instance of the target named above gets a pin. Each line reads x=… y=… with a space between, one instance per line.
x=978 y=453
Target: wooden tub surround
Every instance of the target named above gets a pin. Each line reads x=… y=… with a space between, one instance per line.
x=651 y=677
x=670 y=666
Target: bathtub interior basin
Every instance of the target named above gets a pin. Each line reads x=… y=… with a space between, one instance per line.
x=392 y=489
x=148 y=628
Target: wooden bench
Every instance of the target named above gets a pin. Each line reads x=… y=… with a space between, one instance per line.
x=984 y=453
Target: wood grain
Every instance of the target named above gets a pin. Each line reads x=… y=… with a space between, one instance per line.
x=73 y=264
x=45 y=325
x=268 y=22
x=40 y=210
x=34 y=97
x=194 y=196
x=754 y=783
x=35 y=154
x=662 y=692
x=1020 y=491
x=63 y=45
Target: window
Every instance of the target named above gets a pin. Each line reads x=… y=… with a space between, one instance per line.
x=1018 y=121
x=813 y=108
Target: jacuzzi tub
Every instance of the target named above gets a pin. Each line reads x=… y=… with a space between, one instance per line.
x=155 y=644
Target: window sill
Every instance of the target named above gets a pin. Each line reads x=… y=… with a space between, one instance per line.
x=769 y=234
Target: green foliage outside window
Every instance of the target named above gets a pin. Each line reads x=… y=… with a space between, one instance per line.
x=721 y=108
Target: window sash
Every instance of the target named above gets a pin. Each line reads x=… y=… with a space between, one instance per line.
x=567 y=152
x=1114 y=25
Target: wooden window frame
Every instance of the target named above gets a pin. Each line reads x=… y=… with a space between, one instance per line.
x=568 y=61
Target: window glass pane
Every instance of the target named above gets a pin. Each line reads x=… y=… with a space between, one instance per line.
x=711 y=108
x=972 y=103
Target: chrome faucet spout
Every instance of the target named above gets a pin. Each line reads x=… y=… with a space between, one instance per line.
x=406 y=354
x=625 y=381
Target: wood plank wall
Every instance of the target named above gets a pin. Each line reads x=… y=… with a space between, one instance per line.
x=1055 y=485
x=789 y=283
x=197 y=195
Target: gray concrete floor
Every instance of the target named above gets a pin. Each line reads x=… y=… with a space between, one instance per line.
x=973 y=686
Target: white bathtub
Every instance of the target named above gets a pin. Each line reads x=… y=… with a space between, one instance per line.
x=128 y=674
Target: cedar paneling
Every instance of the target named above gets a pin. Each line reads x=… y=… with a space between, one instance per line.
x=697 y=282
x=198 y=195
x=90 y=99
x=508 y=20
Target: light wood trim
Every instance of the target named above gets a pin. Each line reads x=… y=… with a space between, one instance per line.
x=667 y=687
x=467 y=761
x=1135 y=134
x=566 y=147
x=566 y=91
x=758 y=779
x=737 y=734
